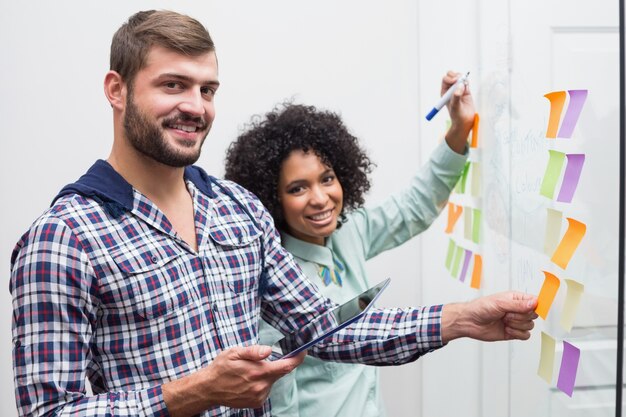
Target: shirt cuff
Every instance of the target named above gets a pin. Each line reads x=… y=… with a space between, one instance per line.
x=446 y=154
x=429 y=336
x=153 y=403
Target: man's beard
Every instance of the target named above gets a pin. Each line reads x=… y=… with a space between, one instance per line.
x=149 y=139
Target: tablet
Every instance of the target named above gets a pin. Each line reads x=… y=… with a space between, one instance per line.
x=328 y=323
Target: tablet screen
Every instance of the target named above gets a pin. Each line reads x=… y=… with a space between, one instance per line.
x=328 y=323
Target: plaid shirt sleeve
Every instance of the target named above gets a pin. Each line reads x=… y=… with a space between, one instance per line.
x=53 y=288
x=382 y=337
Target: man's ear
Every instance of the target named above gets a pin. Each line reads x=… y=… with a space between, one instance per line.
x=115 y=90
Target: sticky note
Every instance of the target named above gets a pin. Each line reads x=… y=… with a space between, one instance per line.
x=477 y=271
x=476 y=222
x=557 y=100
x=457 y=261
x=546 y=360
x=546 y=295
x=476 y=179
x=572 y=300
x=460 y=188
x=467 y=229
x=466 y=261
x=552 y=174
x=570 y=241
x=474 y=141
x=570 y=178
x=553 y=231
x=576 y=101
x=454 y=211
x=450 y=254
x=569 y=368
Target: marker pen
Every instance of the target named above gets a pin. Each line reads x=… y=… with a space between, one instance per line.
x=446 y=97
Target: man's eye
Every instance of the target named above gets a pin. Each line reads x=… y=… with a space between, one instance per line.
x=207 y=91
x=172 y=85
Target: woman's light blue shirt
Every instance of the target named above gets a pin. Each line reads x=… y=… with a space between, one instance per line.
x=318 y=388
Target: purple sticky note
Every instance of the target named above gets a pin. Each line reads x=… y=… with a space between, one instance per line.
x=569 y=368
x=468 y=256
x=574 y=167
x=576 y=101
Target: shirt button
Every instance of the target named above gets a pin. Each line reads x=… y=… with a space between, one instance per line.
x=18 y=343
x=154 y=259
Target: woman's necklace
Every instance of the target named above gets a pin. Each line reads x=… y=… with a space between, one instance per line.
x=331 y=275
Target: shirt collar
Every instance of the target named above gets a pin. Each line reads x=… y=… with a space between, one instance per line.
x=321 y=255
x=102 y=183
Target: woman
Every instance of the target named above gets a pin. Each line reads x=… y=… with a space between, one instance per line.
x=311 y=174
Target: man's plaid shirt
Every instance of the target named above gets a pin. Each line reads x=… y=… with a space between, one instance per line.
x=104 y=289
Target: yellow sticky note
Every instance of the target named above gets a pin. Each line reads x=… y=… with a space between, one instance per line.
x=572 y=300
x=553 y=231
x=546 y=360
x=574 y=234
x=546 y=295
x=467 y=229
x=477 y=272
x=475 y=191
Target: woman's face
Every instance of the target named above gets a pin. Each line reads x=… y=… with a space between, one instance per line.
x=310 y=195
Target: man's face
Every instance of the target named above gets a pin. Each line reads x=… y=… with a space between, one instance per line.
x=169 y=106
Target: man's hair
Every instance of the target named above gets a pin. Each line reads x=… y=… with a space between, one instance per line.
x=143 y=30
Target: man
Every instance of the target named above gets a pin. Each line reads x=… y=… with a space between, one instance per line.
x=148 y=277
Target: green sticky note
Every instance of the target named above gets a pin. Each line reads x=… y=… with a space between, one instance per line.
x=457 y=261
x=476 y=226
x=463 y=179
x=450 y=255
x=552 y=174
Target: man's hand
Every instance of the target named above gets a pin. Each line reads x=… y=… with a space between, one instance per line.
x=503 y=316
x=239 y=377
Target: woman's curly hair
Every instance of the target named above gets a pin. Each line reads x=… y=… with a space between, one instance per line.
x=255 y=158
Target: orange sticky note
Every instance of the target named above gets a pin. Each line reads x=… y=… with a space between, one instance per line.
x=557 y=100
x=572 y=238
x=546 y=295
x=454 y=212
x=474 y=141
x=477 y=272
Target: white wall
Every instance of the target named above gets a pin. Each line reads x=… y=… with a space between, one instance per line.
x=364 y=58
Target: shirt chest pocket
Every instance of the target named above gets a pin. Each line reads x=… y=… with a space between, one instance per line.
x=238 y=254
x=158 y=276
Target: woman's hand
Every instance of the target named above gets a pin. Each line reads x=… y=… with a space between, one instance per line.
x=462 y=111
